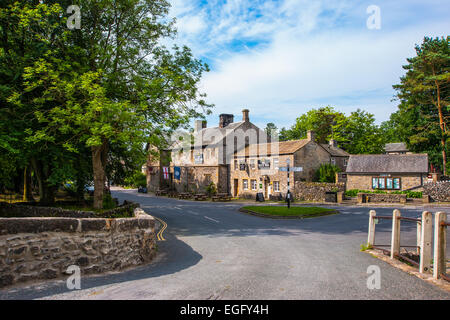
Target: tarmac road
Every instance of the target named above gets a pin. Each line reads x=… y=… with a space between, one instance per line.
x=212 y=251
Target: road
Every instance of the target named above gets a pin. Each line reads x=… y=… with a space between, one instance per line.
x=212 y=251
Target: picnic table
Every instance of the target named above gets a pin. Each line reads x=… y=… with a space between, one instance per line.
x=200 y=196
x=221 y=197
x=184 y=195
x=160 y=192
x=172 y=194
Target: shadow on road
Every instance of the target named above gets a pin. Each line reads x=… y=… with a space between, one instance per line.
x=180 y=256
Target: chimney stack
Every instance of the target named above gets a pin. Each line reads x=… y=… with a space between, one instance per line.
x=245 y=117
x=311 y=136
x=199 y=125
x=225 y=120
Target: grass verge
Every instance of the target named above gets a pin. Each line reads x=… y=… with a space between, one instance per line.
x=284 y=212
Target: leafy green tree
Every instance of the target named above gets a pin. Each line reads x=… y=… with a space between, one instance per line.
x=424 y=93
x=319 y=120
x=326 y=173
x=271 y=129
x=358 y=133
x=105 y=89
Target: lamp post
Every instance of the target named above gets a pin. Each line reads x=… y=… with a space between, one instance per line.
x=288 y=194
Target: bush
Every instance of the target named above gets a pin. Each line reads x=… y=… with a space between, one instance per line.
x=211 y=189
x=108 y=202
x=136 y=180
x=409 y=194
x=327 y=173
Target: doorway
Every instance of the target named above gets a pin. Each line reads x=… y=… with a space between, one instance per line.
x=236 y=187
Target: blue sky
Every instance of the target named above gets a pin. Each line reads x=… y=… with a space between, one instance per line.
x=282 y=58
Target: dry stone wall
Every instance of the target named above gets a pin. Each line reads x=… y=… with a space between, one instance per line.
x=438 y=191
x=315 y=191
x=34 y=248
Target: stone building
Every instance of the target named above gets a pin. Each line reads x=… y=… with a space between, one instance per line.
x=258 y=168
x=203 y=157
x=338 y=156
x=389 y=172
x=396 y=148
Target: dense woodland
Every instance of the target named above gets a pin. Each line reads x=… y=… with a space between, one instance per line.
x=79 y=106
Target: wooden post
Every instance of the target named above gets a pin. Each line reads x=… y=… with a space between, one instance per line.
x=371 y=237
x=395 y=241
x=419 y=236
x=440 y=233
x=425 y=242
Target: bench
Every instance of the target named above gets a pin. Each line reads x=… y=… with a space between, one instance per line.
x=221 y=197
x=200 y=197
x=184 y=195
x=160 y=192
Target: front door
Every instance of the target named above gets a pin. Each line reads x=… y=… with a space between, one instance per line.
x=236 y=187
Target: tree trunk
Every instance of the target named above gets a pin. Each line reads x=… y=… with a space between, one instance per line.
x=27 y=192
x=98 y=167
x=46 y=192
x=442 y=125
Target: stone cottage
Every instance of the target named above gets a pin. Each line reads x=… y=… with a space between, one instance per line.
x=396 y=148
x=389 y=172
x=205 y=156
x=259 y=168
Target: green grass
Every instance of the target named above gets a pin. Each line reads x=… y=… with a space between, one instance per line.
x=283 y=211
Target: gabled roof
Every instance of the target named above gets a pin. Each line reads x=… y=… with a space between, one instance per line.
x=335 y=151
x=395 y=147
x=388 y=163
x=209 y=136
x=281 y=147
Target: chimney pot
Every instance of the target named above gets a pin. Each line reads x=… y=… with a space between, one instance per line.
x=245 y=116
x=225 y=120
x=199 y=125
x=333 y=143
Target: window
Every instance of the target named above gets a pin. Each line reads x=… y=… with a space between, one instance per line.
x=345 y=162
x=333 y=161
x=264 y=164
x=235 y=165
x=276 y=186
x=386 y=183
x=275 y=163
x=245 y=184
x=253 y=184
x=252 y=163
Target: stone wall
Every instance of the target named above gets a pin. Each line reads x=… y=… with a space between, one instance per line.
x=381 y=197
x=315 y=191
x=43 y=248
x=29 y=210
x=438 y=191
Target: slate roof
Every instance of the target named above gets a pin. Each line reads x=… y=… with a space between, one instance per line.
x=210 y=136
x=335 y=151
x=395 y=147
x=388 y=163
x=281 y=147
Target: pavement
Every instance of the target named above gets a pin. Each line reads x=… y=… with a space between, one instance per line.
x=213 y=251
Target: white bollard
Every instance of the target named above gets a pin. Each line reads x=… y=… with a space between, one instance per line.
x=371 y=237
x=395 y=241
x=425 y=242
x=440 y=233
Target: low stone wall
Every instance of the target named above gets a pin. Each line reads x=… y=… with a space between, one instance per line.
x=315 y=191
x=34 y=210
x=438 y=191
x=43 y=248
x=381 y=197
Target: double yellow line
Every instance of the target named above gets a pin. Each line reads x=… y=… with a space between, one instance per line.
x=159 y=235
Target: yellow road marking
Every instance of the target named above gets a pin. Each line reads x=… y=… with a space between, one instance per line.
x=159 y=235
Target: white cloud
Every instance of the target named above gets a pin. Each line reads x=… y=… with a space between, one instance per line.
x=304 y=53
